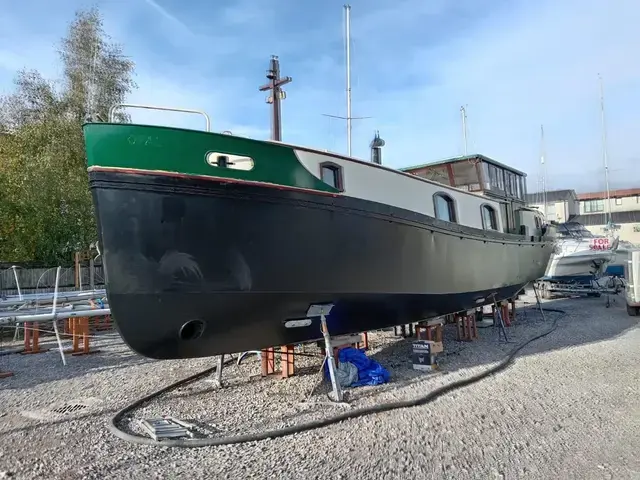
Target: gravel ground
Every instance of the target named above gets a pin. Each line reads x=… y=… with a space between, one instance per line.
x=569 y=407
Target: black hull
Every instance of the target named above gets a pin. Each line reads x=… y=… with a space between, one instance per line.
x=242 y=260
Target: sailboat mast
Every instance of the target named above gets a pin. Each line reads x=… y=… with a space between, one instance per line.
x=544 y=172
x=347 y=15
x=463 y=113
x=605 y=156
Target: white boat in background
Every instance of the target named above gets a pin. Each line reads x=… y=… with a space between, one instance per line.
x=580 y=256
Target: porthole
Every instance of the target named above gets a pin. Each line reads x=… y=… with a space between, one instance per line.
x=227 y=160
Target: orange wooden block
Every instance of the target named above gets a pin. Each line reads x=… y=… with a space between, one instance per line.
x=268 y=361
x=466 y=326
x=32 y=339
x=80 y=332
x=287 y=361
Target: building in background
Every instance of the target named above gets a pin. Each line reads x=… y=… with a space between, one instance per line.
x=625 y=213
x=562 y=205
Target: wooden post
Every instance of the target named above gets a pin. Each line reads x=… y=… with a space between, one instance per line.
x=287 y=361
x=512 y=302
x=32 y=339
x=466 y=326
x=78 y=271
x=364 y=343
x=80 y=331
x=504 y=311
x=268 y=361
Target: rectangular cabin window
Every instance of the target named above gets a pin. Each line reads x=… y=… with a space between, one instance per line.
x=465 y=175
x=508 y=176
x=485 y=176
x=331 y=174
x=500 y=173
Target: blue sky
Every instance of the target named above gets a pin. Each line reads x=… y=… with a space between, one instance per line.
x=516 y=64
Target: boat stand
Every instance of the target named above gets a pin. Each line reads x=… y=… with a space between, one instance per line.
x=217 y=379
x=536 y=292
x=322 y=311
x=497 y=314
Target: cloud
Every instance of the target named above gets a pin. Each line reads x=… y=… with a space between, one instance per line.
x=516 y=64
x=162 y=11
x=165 y=13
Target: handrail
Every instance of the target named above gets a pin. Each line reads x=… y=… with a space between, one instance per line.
x=154 y=107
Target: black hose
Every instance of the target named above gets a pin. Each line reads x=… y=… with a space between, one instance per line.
x=281 y=432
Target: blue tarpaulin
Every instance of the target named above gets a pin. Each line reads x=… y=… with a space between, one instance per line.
x=370 y=372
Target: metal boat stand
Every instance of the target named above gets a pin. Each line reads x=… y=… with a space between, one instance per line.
x=497 y=314
x=322 y=310
x=217 y=379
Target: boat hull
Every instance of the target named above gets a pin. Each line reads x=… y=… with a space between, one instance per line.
x=580 y=266
x=197 y=267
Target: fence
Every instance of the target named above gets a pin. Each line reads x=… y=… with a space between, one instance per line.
x=41 y=280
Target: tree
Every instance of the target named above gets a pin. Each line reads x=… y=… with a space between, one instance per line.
x=46 y=211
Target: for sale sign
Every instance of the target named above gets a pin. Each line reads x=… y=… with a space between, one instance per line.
x=599 y=244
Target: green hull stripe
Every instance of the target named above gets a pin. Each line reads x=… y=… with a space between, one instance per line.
x=144 y=147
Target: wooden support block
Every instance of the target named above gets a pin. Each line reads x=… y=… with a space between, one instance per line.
x=363 y=344
x=102 y=324
x=466 y=326
x=32 y=339
x=287 y=362
x=6 y=374
x=504 y=311
x=512 y=303
x=268 y=361
x=429 y=331
x=80 y=332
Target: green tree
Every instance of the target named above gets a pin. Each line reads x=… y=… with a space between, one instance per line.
x=46 y=211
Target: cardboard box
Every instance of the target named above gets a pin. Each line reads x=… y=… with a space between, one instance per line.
x=423 y=357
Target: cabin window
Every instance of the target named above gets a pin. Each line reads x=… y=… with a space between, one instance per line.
x=618 y=201
x=445 y=207
x=331 y=174
x=537 y=222
x=489 y=218
x=226 y=160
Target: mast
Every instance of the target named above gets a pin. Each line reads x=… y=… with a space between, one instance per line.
x=348 y=118
x=347 y=15
x=277 y=95
x=463 y=112
x=605 y=156
x=544 y=172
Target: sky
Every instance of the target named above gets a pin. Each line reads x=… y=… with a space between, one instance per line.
x=514 y=64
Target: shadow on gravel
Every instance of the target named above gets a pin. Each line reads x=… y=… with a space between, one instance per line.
x=587 y=320
x=35 y=369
